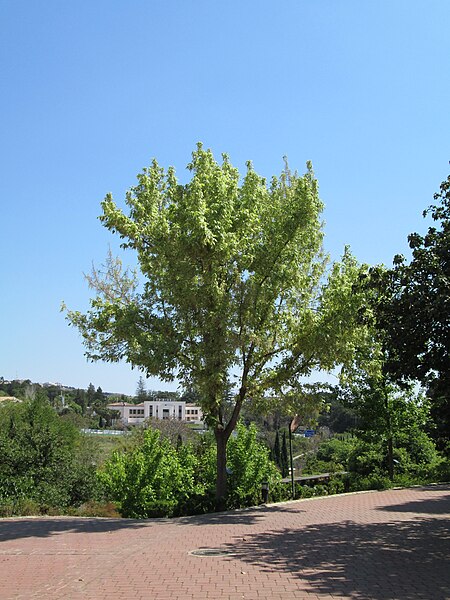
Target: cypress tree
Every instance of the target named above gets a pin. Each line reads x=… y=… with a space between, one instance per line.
x=284 y=459
x=276 y=453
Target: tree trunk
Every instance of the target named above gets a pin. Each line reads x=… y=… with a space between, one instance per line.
x=390 y=458
x=222 y=434
x=390 y=442
x=221 y=480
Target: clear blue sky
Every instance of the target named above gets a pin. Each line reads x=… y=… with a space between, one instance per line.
x=93 y=89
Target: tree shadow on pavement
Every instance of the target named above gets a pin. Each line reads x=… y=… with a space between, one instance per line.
x=42 y=527
x=430 y=506
x=244 y=516
x=377 y=561
x=13 y=529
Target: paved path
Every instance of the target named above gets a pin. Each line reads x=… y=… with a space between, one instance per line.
x=373 y=545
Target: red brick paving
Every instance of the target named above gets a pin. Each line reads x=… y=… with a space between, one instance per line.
x=375 y=545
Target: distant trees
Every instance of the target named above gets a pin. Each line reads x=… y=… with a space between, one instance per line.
x=14 y=388
x=280 y=454
x=90 y=394
x=142 y=394
x=340 y=417
x=99 y=397
x=80 y=399
x=162 y=395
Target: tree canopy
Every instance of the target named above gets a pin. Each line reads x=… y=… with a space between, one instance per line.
x=412 y=306
x=234 y=287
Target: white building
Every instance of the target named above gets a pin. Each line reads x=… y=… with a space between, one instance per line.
x=157 y=409
x=194 y=413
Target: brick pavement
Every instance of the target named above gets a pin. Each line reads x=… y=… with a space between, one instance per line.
x=373 y=545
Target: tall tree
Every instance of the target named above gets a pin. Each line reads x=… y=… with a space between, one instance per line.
x=99 y=397
x=276 y=450
x=80 y=399
x=413 y=310
x=141 y=392
x=284 y=457
x=233 y=286
x=90 y=394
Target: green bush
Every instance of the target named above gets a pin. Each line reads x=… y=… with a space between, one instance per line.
x=337 y=485
x=249 y=465
x=373 y=481
x=42 y=458
x=94 y=508
x=336 y=450
x=13 y=507
x=152 y=479
x=367 y=458
x=415 y=458
x=441 y=471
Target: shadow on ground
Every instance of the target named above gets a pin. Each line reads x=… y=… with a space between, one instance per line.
x=14 y=529
x=246 y=516
x=430 y=506
x=42 y=527
x=404 y=560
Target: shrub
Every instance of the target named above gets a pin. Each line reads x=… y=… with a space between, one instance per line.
x=374 y=481
x=336 y=451
x=93 y=508
x=249 y=464
x=14 y=507
x=153 y=478
x=150 y=480
x=441 y=471
x=42 y=457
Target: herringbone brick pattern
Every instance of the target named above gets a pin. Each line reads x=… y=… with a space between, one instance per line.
x=375 y=545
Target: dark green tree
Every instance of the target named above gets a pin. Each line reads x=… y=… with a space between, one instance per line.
x=190 y=395
x=162 y=395
x=141 y=391
x=81 y=399
x=90 y=395
x=40 y=453
x=284 y=457
x=276 y=451
x=340 y=417
x=99 y=397
x=412 y=310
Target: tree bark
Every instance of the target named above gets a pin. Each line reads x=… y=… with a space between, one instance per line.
x=222 y=435
x=390 y=442
x=391 y=458
x=221 y=479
